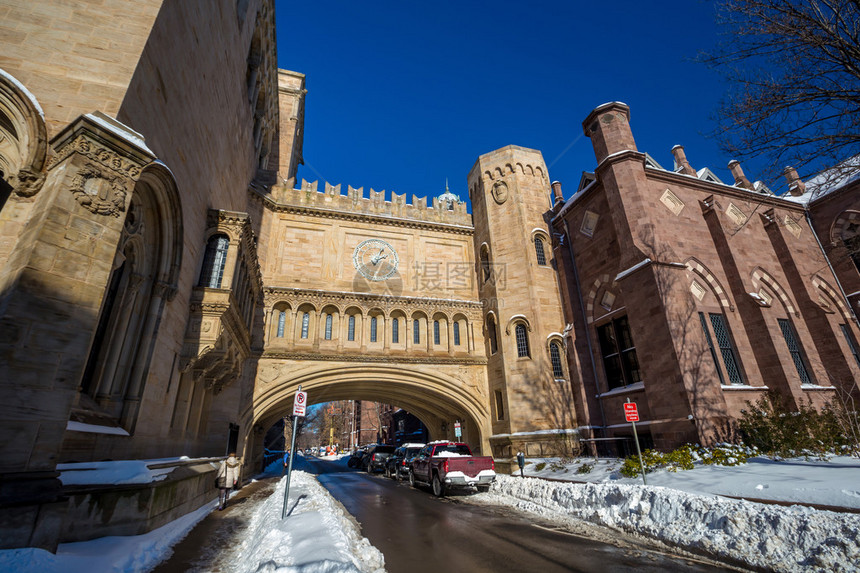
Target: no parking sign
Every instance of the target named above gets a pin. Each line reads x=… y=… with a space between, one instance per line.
x=300 y=403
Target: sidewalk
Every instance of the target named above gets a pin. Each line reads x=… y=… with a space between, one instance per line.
x=201 y=548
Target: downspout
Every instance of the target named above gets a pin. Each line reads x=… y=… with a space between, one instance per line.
x=829 y=265
x=582 y=310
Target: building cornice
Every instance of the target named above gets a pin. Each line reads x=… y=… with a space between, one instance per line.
x=367 y=357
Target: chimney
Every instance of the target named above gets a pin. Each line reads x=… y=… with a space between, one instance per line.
x=795 y=186
x=681 y=161
x=738 y=173
x=558 y=196
x=608 y=126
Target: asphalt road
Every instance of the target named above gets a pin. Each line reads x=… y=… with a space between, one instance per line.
x=419 y=533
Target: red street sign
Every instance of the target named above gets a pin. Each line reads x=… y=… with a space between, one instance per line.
x=299 y=403
x=631 y=414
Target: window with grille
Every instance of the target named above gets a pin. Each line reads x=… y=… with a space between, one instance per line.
x=328 y=327
x=723 y=353
x=373 y=329
x=350 y=328
x=522 y=341
x=416 y=331
x=395 y=331
x=214 y=261
x=282 y=321
x=456 y=334
x=491 y=334
x=306 y=320
x=436 y=332
x=794 y=349
x=619 y=353
x=539 y=252
x=555 y=359
x=852 y=344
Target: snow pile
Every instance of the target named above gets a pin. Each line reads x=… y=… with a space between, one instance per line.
x=116 y=472
x=770 y=537
x=318 y=535
x=107 y=554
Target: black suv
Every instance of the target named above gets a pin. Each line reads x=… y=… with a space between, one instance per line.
x=397 y=464
x=374 y=458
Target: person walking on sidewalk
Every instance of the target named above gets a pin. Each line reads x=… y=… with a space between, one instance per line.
x=226 y=478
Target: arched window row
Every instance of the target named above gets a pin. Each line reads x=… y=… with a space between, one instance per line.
x=289 y=323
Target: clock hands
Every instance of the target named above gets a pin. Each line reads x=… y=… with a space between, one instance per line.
x=378 y=257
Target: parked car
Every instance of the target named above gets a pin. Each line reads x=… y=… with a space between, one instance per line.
x=397 y=464
x=355 y=459
x=374 y=458
x=448 y=465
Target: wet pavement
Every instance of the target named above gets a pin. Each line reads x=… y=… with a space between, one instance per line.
x=419 y=533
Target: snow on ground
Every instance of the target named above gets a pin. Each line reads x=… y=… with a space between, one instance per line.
x=679 y=509
x=107 y=554
x=318 y=536
x=834 y=482
x=754 y=535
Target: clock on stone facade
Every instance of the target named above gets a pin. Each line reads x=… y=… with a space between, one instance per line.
x=375 y=259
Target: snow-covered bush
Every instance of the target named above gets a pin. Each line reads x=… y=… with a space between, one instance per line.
x=685 y=458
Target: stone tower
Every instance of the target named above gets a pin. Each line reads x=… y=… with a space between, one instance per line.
x=523 y=320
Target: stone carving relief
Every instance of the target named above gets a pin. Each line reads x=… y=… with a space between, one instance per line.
x=500 y=192
x=27 y=182
x=100 y=154
x=99 y=192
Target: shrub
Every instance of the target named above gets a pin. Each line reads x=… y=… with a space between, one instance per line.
x=585 y=468
x=780 y=433
x=685 y=458
x=540 y=466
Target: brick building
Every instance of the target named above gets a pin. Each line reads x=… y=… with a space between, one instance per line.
x=690 y=296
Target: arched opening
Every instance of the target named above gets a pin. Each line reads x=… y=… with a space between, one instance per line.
x=438 y=400
x=143 y=280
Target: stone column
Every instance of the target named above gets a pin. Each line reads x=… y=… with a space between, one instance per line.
x=62 y=271
x=451 y=336
x=386 y=334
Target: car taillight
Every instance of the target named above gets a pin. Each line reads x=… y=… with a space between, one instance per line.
x=445 y=466
x=373 y=458
x=493 y=465
x=402 y=462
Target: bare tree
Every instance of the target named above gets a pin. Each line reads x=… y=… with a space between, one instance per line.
x=794 y=68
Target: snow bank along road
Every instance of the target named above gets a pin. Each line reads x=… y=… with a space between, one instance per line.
x=743 y=533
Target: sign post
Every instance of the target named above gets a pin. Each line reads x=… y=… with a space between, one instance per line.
x=457 y=432
x=299 y=404
x=631 y=414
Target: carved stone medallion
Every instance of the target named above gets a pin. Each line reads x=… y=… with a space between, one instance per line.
x=500 y=192
x=98 y=191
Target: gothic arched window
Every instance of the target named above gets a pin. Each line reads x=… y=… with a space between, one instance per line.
x=539 y=251
x=395 y=331
x=373 y=329
x=456 y=334
x=282 y=321
x=328 y=327
x=306 y=319
x=491 y=334
x=522 y=341
x=555 y=358
x=214 y=261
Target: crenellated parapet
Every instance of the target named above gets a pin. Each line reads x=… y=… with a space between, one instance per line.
x=331 y=198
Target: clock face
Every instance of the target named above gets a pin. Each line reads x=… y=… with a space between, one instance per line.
x=375 y=259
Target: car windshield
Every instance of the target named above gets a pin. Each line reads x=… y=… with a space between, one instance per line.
x=460 y=449
x=383 y=449
x=411 y=452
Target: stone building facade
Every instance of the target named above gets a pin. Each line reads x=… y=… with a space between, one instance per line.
x=691 y=297
x=166 y=285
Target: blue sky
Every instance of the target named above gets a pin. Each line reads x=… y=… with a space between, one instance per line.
x=402 y=95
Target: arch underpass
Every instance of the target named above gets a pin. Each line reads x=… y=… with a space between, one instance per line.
x=438 y=396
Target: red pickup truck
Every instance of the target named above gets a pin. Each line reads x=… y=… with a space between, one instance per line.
x=446 y=465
